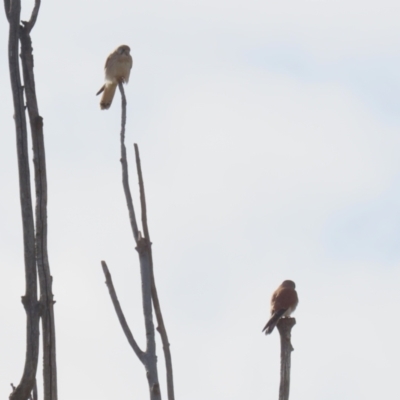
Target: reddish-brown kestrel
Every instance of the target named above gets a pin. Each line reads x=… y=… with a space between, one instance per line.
x=117 y=69
x=284 y=301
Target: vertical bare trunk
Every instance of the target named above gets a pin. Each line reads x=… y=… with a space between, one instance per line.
x=29 y=300
x=35 y=243
x=285 y=326
x=45 y=279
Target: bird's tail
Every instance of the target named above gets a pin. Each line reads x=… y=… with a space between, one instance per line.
x=108 y=94
x=273 y=321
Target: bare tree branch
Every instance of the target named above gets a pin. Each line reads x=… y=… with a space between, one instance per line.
x=285 y=326
x=148 y=358
x=45 y=279
x=121 y=317
x=156 y=303
x=29 y=300
x=125 y=176
x=144 y=250
x=32 y=21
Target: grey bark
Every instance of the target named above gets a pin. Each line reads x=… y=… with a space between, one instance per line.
x=7 y=6
x=34 y=394
x=39 y=159
x=285 y=326
x=35 y=243
x=143 y=248
x=29 y=300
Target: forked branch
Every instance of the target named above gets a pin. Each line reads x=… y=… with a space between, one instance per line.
x=32 y=21
x=143 y=247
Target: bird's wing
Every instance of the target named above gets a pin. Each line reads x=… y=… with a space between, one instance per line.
x=285 y=298
x=108 y=61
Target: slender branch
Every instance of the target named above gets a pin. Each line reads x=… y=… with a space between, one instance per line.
x=29 y=300
x=121 y=317
x=156 y=303
x=142 y=193
x=285 y=326
x=125 y=176
x=39 y=159
x=32 y=21
x=143 y=248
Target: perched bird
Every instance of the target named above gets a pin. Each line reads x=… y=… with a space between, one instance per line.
x=283 y=302
x=117 y=69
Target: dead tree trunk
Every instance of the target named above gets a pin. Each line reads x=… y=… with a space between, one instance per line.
x=156 y=303
x=285 y=326
x=35 y=240
x=29 y=300
x=149 y=292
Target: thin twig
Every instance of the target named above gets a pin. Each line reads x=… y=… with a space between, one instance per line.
x=285 y=326
x=142 y=193
x=156 y=303
x=121 y=317
x=125 y=176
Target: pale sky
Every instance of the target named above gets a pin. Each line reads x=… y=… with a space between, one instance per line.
x=269 y=138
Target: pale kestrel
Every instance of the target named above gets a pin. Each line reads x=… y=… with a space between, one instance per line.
x=117 y=69
x=283 y=302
